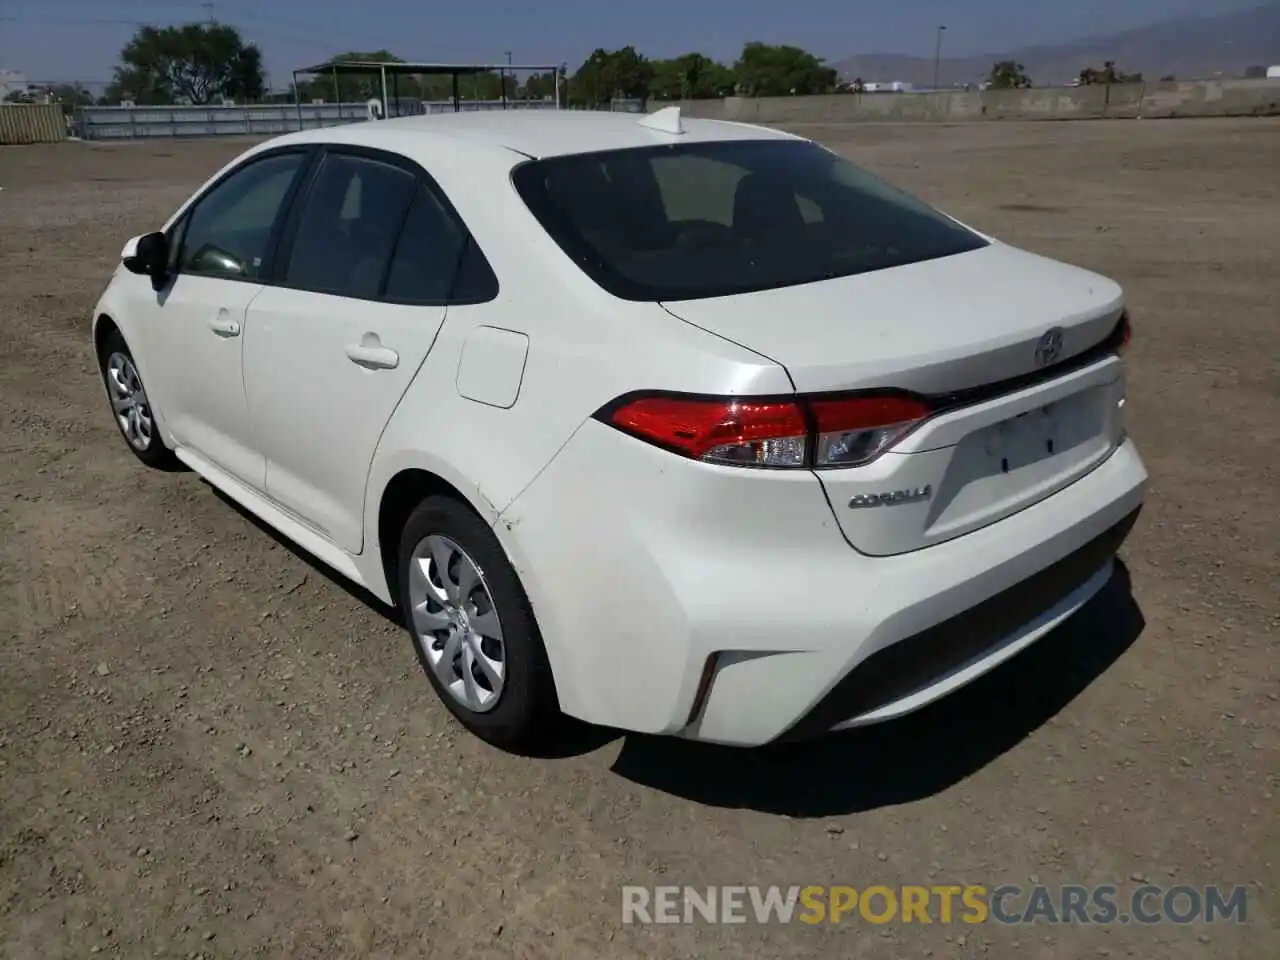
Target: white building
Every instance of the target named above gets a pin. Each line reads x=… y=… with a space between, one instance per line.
x=1273 y=72
x=891 y=86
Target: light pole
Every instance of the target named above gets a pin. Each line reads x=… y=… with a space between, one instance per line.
x=937 y=56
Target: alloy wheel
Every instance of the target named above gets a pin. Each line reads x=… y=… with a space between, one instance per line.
x=129 y=401
x=456 y=623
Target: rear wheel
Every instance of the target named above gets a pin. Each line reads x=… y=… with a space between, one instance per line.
x=472 y=627
x=130 y=405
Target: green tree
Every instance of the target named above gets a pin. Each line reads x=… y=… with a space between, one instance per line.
x=70 y=96
x=1109 y=74
x=198 y=63
x=607 y=74
x=1008 y=75
x=489 y=85
x=479 y=86
x=764 y=70
x=693 y=76
x=436 y=87
x=667 y=82
x=542 y=86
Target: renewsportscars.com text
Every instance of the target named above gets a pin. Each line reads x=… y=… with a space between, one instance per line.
x=974 y=904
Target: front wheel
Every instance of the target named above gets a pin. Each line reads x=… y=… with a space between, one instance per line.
x=130 y=406
x=472 y=627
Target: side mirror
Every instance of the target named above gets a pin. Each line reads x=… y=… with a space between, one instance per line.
x=149 y=256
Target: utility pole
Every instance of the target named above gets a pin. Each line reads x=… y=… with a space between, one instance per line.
x=937 y=56
x=208 y=6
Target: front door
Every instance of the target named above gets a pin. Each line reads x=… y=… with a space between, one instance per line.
x=196 y=324
x=198 y=337
x=335 y=342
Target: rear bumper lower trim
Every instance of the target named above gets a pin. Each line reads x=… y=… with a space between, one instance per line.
x=920 y=660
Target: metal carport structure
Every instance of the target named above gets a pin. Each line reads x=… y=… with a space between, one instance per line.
x=396 y=69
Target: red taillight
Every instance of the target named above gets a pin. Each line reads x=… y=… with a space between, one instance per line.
x=861 y=413
x=856 y=430
x=765 y=433
x=1126 y=332
x=820 y=432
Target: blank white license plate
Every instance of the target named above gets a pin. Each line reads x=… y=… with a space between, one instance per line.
x=1025 y=439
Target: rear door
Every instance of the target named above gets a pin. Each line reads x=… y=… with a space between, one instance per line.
x=361 y=289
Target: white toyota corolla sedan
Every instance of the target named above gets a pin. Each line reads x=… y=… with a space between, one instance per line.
x=677 y=426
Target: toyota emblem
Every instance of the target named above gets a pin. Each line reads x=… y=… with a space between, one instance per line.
x=1049 y=348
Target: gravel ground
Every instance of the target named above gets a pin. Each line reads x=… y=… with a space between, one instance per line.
x=210 y=747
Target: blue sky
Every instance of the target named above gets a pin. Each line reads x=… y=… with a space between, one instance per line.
x=44 y=39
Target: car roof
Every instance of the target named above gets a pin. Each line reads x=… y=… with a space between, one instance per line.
x=535 y=133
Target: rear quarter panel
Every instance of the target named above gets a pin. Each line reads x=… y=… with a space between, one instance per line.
x=585 y=348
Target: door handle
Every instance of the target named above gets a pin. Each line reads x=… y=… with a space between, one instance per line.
x=370 y=353
x=224 y=326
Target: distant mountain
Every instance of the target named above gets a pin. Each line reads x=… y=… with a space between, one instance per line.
x=1224 y=44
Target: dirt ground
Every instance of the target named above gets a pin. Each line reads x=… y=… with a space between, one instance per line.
x=209 y=747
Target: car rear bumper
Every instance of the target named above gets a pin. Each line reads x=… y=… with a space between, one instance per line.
x=641 y=566
x=919 y=669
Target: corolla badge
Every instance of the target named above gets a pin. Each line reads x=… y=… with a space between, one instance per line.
x=891 y=497
x=1049 y=347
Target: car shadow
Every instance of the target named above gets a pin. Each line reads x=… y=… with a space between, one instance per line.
x=908 y=759
x=889 y=763
x=170 y=466
x=389 y=613
x=572 y=738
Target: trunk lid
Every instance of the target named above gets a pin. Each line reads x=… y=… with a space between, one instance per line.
x=938 y=327
x=932 y=327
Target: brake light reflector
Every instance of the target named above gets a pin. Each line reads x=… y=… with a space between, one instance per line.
x=743 y=432
x=856 y=430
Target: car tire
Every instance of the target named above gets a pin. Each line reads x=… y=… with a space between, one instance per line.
x=510 y=701
x=130 y=405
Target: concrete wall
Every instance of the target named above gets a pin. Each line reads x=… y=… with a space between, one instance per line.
x=1210 y=98
x=31 y=123
x=1213 y=98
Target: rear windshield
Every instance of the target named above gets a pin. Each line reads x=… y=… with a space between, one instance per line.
x=712 y=219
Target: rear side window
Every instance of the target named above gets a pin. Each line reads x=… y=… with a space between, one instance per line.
x=348 y=227
x=713 y=219
x=436 y=261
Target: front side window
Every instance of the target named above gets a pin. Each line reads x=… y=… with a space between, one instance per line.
x=348 y=227
x=229 y=231
x=713 y=219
